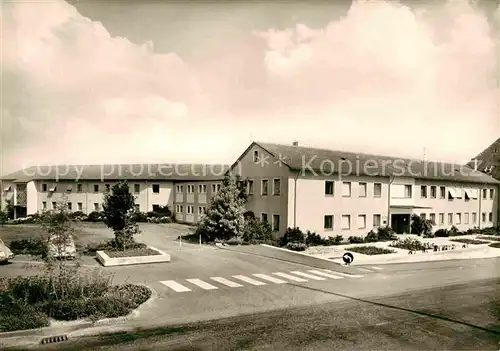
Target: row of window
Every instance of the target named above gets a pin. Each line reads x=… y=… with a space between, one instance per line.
x=377 y=191
x=69 y=206
x=107 y=187
x=459 y=219
x=346 y=221
x=346 y=189
x=264 y=187
x=202 y=188
x=275 y=225
x=190 y=209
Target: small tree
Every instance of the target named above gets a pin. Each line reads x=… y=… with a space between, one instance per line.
x=118 y=209
x=224 y=218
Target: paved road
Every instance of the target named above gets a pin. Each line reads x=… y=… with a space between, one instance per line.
x=455 y=317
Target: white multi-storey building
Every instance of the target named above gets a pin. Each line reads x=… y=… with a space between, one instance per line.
x=36 y=189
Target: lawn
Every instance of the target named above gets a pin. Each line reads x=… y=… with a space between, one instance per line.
x=469 y=241
x=487 y=237
x=370 y=250
x=495 y=245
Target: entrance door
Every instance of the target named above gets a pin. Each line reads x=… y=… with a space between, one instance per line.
x=400 y=223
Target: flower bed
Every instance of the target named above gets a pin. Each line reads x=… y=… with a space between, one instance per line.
x=495 y=245
x=132 y=252
x=409 y=244
x=469 y=241
x=486 y=237
x=30 y=302
x=370 y=250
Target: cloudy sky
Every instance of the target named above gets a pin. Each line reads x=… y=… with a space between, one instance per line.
x=160 y=81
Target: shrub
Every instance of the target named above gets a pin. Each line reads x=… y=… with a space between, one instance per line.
x=421 y=226
x=296 y=246
x=409 y=244
x=292 y=235
x=442 y=233
x=370 y=250
x=95 y=216
x=386 y=233
x=249 y=215
x=17 y=315
x=141 y=217
x=109 y=245
x=337 y=240
x=313 y=239
x=78 y=216
x=454 y=231
x=490 y=231
x=32 y=246
x=256 y=231
x=469 y=241
x=371 y=237
x=159 y=220
x=355 y=240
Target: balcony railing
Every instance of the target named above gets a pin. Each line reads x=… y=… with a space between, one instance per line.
x=21 y=195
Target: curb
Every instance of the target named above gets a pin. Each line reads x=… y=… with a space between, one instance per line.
x=53 y=334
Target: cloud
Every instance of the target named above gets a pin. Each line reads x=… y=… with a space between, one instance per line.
x=383 y=77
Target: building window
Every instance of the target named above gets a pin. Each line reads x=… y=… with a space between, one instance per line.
x=69 y=206
x=377 y=190
x=202 y=188
x=450 y=218
x=346 y=222
x=156 y=208
x=265 y=184
x=362 y=190
x=346 y=189
x=432 y=218
x=276 y=187
x=202 y=210
x=96 y=188
x=433 y=192
x=215 y=188
x=466 y=195
x=263 y=217
x=485 y=193
x=54 y=205
x=53 y=188
x=329 y=187
x=250 y=187
x=423 y=191
x=474 y=218
x=156 y=188
x=459 y=218
x=441 y=218
x=442 y=192
x=44 y=187
x=483 y=217
x=466 y=218
x=376 y=220
x=408 y=192
x=137 y=188
x=490 y=217
x=108 y=187
x=328 y=222
x=178 y=208
x=189 y=209
x=69 y=188
x=276 y=222
x=96 y=206
x=423 y=216
x=80 y=206
x=190 y=189
x=361 y=221
x=492 y=193
x=44 y=205
x=179 y=188
x=79 y=188
x=256 y=156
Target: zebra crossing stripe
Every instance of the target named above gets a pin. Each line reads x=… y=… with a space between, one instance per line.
x=202 y=284
x=344 y=274
x=226 y=282
x=268 y=278
x=313 y=277
x=364 y=270
x=291 y=277
x=376 y=268
x=326 y=274
x=175 y=286
x=248 y=280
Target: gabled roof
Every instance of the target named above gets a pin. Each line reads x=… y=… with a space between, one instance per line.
x=489 y=160
x=300 y=158
x=120 y=172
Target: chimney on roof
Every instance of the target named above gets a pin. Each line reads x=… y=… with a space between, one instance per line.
x=295 y=143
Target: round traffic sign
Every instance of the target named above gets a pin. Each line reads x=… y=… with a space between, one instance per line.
x=348 y=257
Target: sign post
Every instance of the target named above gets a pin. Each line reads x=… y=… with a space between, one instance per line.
x=348 y=258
